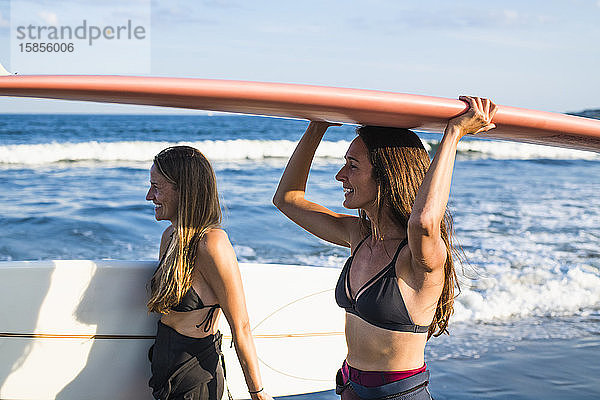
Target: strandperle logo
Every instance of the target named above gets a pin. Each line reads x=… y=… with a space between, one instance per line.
x=91 y=33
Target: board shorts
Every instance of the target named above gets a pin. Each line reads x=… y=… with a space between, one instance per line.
x=412 y=388
x=186 y=368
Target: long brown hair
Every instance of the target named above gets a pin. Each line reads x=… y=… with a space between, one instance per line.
x=400 y=162
x=198 y=211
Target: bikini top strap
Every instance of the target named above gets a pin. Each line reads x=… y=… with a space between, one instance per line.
x=400 y=247
x=360 y=244
x=347 y=266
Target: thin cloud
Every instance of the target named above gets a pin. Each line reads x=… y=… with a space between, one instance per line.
x=183 y=12
x=507 y=41
x=206 y=3
x=222 y=4
x=444 y=19
x=512 y=18
x=79 y=5
x=48 y=17
x=289 y=29
x=4 y=23
x=177 y=14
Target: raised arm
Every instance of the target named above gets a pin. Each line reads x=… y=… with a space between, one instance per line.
x=426 y=245
x=220 y=269
x=290 y=195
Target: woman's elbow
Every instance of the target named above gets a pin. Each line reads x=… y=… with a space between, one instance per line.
x=424 y=225
x=277 y=200
x=283 y=200
x=241 y=329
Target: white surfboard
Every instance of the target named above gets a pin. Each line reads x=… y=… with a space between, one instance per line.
x=79 y=329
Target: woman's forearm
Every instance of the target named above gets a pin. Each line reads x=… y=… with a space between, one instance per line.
x=246 y=352
x=432 y=197
x=293 y=180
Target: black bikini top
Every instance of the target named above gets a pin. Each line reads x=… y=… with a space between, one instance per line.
x=191 y=301
x=379 y=301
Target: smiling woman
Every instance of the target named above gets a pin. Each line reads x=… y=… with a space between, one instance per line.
x=197 y=276
x=356 y=176
x=397 y=287
x=164 y=196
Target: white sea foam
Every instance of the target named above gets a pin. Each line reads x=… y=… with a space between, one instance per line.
x=218 y=150
x=244 y=252
x=243 y=149
x=510 y=294
x=501 y=150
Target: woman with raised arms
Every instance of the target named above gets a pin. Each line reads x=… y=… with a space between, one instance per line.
x=397 y=287
x=197 y=277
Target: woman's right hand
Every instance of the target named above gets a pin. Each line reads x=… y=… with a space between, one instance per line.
x=477 y=119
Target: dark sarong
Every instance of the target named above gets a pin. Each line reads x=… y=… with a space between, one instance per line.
x=411 y=388
x=186 y=368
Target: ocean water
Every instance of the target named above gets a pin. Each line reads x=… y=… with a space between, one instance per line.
x=527 y=217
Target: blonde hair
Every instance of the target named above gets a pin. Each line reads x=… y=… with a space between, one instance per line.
x=400 y=162
x=198 y=211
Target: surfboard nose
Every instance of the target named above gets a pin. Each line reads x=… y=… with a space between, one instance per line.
x=3 y=70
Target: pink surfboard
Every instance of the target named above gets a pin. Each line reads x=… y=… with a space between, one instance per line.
x=307 y=102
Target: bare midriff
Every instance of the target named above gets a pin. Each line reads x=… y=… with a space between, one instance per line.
x=185 y=322
x=375 y=349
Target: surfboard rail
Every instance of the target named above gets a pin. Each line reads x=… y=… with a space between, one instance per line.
x=345 y=105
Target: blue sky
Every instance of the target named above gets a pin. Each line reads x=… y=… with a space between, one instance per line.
x=534 y=54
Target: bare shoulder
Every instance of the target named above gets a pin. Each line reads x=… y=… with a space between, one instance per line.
x=215 y=242
x=167 y=232
x=165 y=239
x=216 y=257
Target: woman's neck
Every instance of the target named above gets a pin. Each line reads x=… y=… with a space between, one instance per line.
x=384 y=228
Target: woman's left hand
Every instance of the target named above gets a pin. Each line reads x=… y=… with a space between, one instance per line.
x=477 y=119
x=261 y=396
